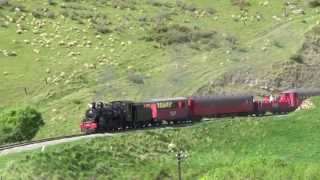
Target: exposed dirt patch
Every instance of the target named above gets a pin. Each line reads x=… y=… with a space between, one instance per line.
x=306 y=104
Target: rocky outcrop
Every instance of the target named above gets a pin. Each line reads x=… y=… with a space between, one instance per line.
x=301 y=70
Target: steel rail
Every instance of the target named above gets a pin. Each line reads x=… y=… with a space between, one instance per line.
x=185 y=124
x=10 y=146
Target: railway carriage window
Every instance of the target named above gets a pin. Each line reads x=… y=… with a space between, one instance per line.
x=170 y=104
x=174 y=104
x=163 y=105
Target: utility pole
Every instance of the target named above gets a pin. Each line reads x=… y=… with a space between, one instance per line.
x=180 y=156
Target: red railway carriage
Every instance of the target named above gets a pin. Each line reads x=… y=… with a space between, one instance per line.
x=304 y=93
x=127 y=114
x=169 y=109
x=213 y=106
x=287 y=101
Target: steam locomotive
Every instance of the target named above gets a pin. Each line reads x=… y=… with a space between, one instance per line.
x=121 y=115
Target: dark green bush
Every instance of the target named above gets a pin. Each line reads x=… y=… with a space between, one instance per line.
x=178 y=34
x=19 y=124
x=297 y=58
x=43 y=13
x=37 y=13
x=52 y=3
x=156 y=3
x=277 y=44
x=103 y=29
x=314 y=3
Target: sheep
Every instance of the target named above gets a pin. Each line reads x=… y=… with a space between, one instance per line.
x=19 y=31
x=26 y=41
x=12 y=53
x=62 y=74
x=71 y=54
x=61 y=43
x=264 y=48
x=266 y=3
x=276 y=18
x=36 y=51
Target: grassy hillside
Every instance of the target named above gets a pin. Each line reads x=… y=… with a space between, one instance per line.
x=282 y=147
x=59 y=57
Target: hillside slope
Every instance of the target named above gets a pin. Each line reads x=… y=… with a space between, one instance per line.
x=276 y=147
x=61 y=56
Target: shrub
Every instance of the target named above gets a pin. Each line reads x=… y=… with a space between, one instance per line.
x=37 y=13
x=314 y=3
x=124 y=4
x=51 y=15
x=19 y=124
x=76 y=101
x=156 y=3
x=190 y=7
x=102 y=28
x=70 y=0
x=162 y=16
x=241 y=3
x=65 y=13
x=3 y=24
x=43 y=13
x=136 y=78
x=297 y=58
x=52 y=3
x=178 y=34
x=277 y=44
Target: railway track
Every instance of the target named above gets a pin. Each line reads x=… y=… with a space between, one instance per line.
x=6 y=149
x=15 y=145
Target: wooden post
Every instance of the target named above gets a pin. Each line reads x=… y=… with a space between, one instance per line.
x=179 y=158
x=26 y=91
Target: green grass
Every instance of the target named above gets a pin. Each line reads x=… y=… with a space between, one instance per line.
x=123 y=56
x=276 y=147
